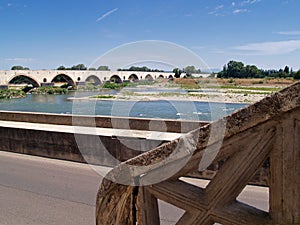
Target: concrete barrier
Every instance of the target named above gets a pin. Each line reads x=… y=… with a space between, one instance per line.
x=60 y=142
x=53 y=136
x=163 y=125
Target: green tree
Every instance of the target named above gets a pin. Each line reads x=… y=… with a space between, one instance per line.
x=92 y=69
x=286 y=69
x=191 y=69
x=103 y=68
x=297 y=75
x=235 y=69
x=143 y=69
x=251 y=72
x=61 y=68
x=19 y=68
x=79 y=67
x=177 y=72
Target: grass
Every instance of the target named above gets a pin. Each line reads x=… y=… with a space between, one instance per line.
x=248 y=92
x=145 y=82
x=267 y=89
x=197 y=95
x=115 y=85
x=160 y=94
x=103 y=96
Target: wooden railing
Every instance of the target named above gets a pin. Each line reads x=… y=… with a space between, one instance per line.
x=267 y=130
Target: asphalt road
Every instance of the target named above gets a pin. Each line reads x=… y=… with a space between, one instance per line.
x=39 y=191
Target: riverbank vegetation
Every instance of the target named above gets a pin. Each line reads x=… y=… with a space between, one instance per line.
x=112 y=85
x=49 y=90
x=103 y=96
x=11 y=93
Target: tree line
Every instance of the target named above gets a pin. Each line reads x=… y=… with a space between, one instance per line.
x=234 y=69
x=142 y=69
x=83 y=67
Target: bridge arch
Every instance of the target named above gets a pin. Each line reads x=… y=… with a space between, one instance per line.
x=115 y=79
x=161 y=76
x=149 y=77
x=23 y=79
x=133 y=78
x=171 y=77
x=63 y=78
x=93 y=79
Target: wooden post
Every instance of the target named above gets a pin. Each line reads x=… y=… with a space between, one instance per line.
x=285 y=173
x=147 y=208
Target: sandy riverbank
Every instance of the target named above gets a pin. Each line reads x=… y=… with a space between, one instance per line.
x=242 y=91
x=197 y=97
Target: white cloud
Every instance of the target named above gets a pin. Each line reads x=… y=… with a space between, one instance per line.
x=289 y=32
x=107 y=14
x=250 y=2
x=219 y=7
x=20 y=59
x=270 y=48
x=216 y=10
x=238 y=11
x=9 y=4
x=232 y=3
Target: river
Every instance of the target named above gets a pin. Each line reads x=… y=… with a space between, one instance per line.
x=164 y=109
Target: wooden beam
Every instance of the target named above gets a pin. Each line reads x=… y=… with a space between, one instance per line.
x=239 y=169
x=187 y=218
x=180 y=194
x=147 y=208
x=285 y=173
x=238 y=213
x=230 y=146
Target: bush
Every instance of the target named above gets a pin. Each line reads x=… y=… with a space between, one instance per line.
x=115 y=85
x=49 y=90
x=11 y=93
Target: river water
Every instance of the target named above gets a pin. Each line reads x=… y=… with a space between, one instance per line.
x=164 y=109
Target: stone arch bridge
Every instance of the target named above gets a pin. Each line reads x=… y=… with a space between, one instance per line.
x=46 y=77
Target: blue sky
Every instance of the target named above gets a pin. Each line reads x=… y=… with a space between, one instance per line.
x=45 y=34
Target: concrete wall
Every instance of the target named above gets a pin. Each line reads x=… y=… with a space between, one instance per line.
x=63 y=145
x=175 y=126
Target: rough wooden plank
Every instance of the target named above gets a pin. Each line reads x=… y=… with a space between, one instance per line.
x=238 y=213
x=285 y=173
x=276 y=178
x=115 y=204
x=229 y=146
x=295 y=188
x=187 y=218
x=179 y=194
x=239 y=169
x=147 y=208
x=203 y=218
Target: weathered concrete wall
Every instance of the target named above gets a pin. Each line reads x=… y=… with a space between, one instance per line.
x=63 y=145
x=175 y=126
x=59 y=145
